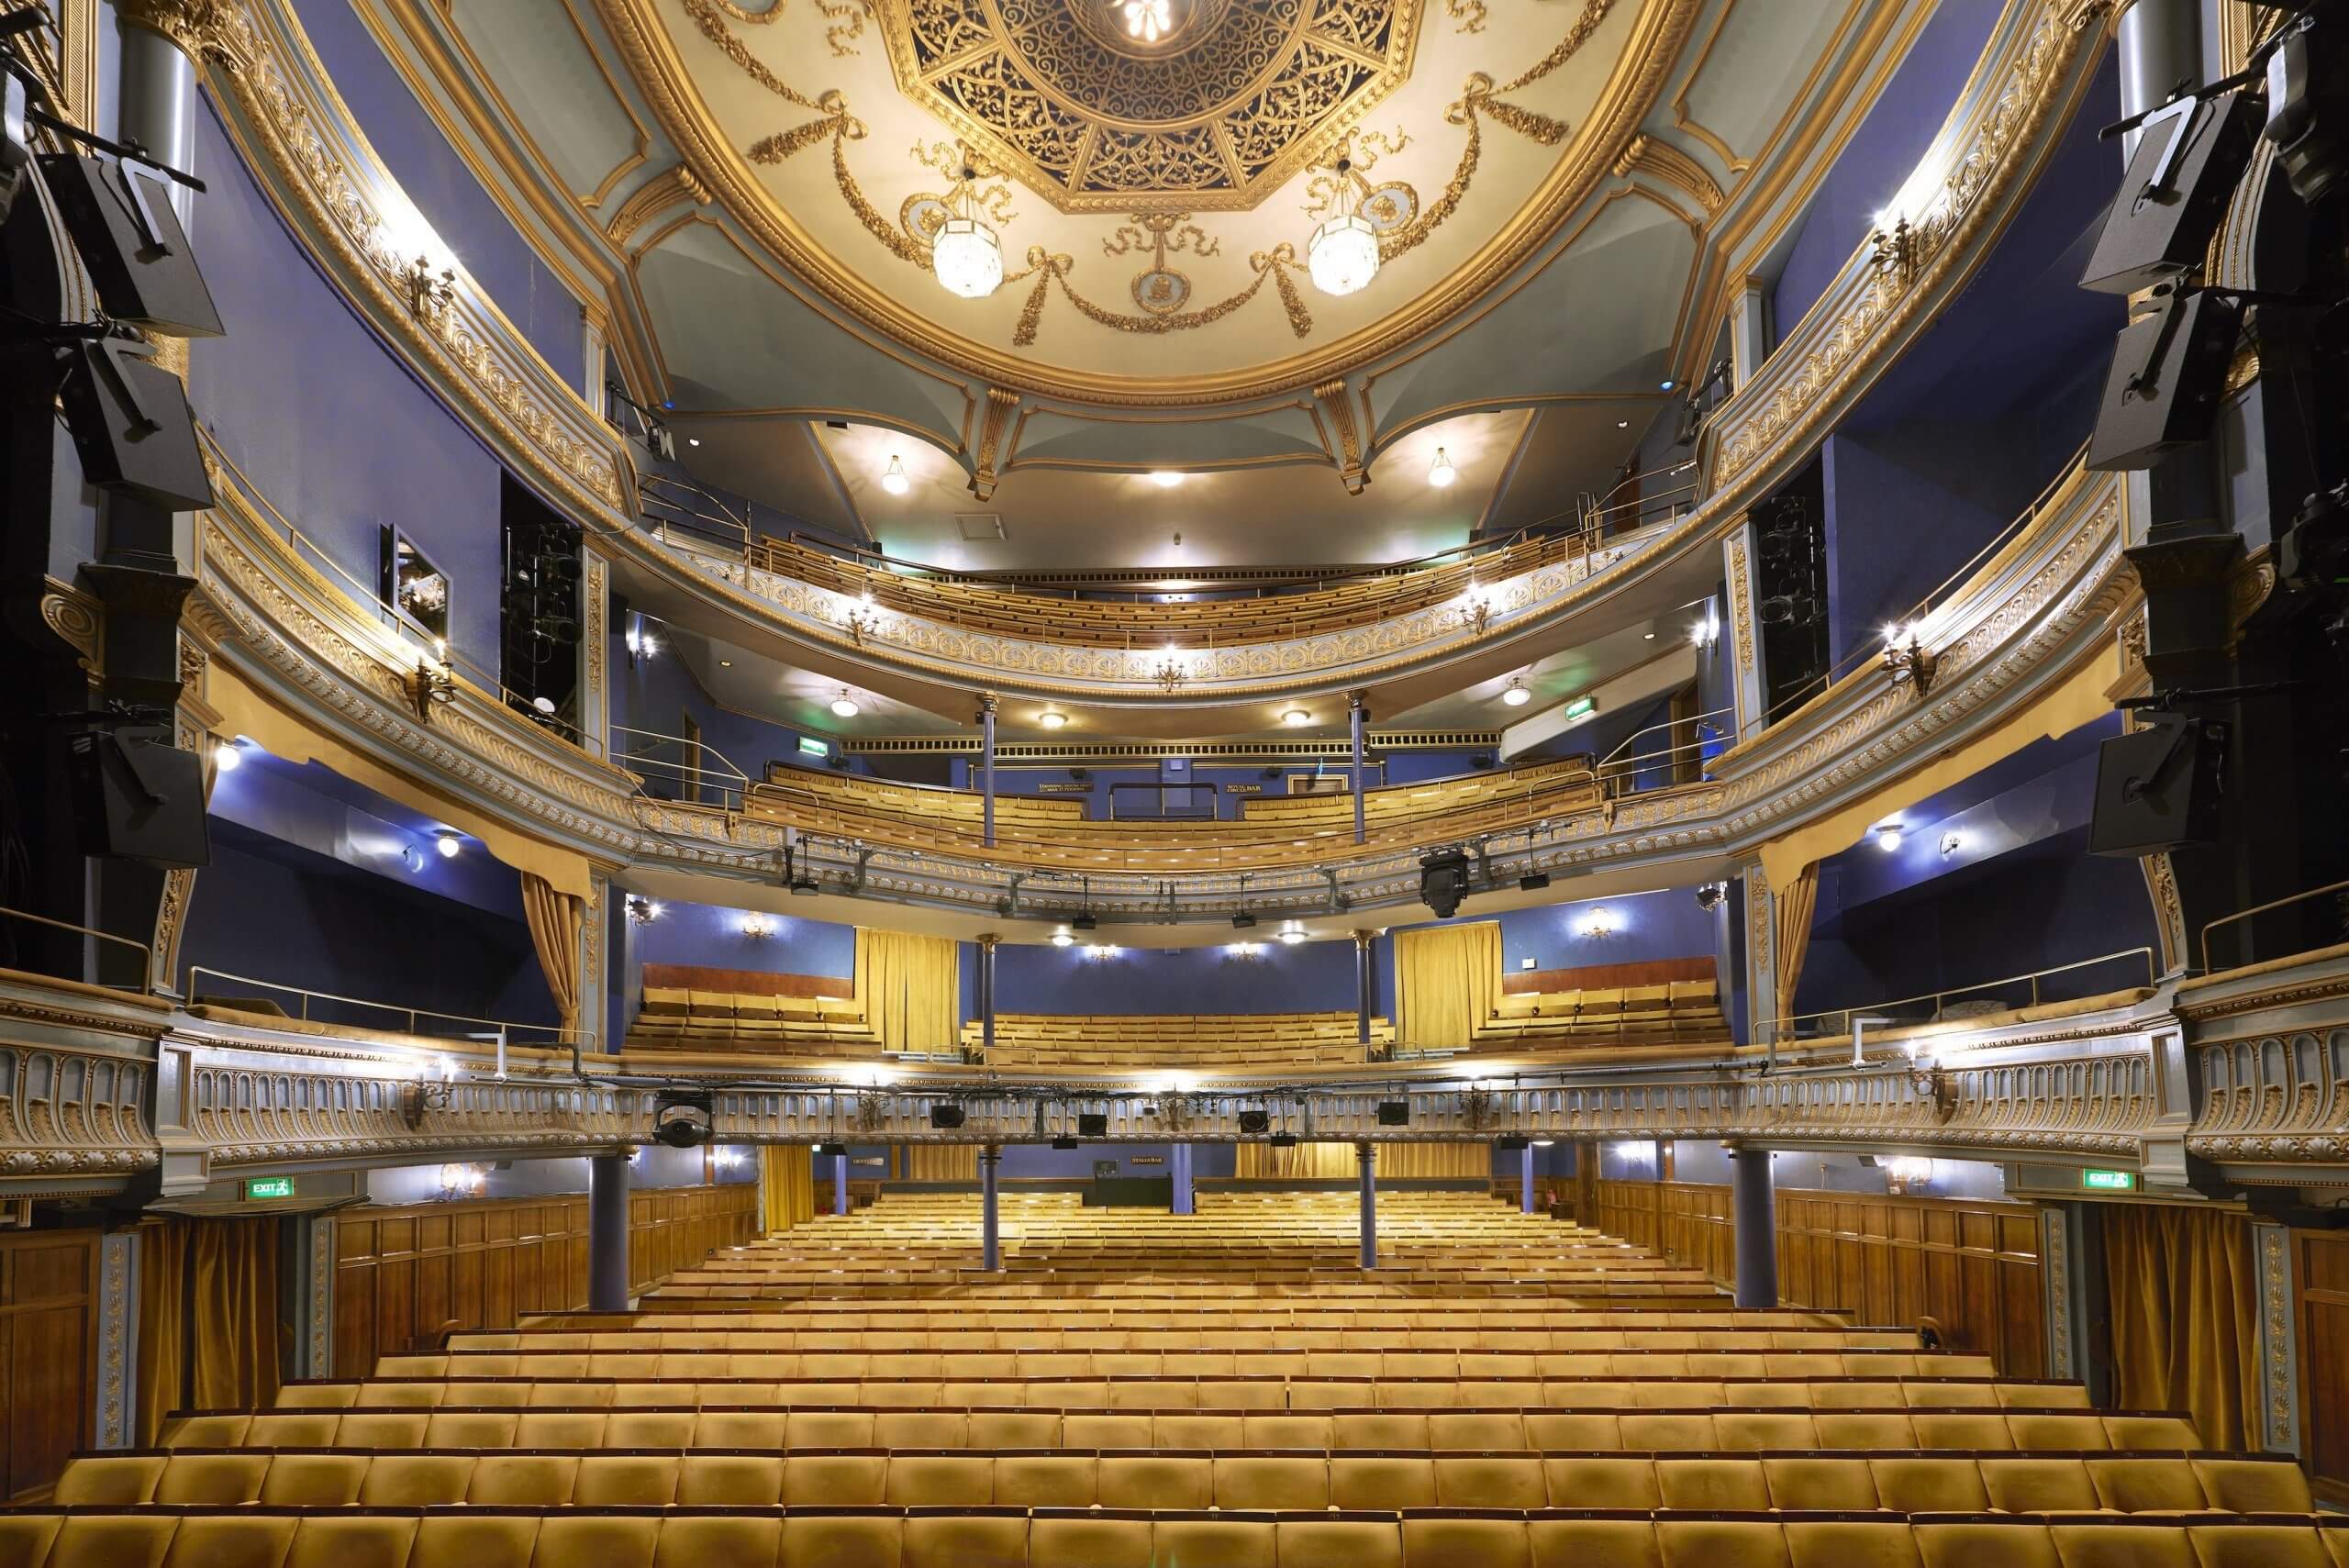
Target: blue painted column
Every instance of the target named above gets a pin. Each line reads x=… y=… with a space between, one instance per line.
x=607 y=1233
x=1753 y=1207
x=990 y=1234
x=1525 y=1178
x=840 y=1183
x=1367 y=1178
x=1178 y=1163
x=1357 y=717
x=1365 y=987
x=987 y=991
x=986 y=769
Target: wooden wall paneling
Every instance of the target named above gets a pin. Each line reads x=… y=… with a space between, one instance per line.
x=2321 y=1276
x=1644 y=972
x=48 y=1294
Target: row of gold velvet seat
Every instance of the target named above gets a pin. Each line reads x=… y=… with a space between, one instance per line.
x=1234 y=1393
x=1308 y=1365
x=1415 y=802
x=934 y=801
x=959 y=1278
x=1912 y=1482
x=51 y=1537
x=1722 y=1430
x=1255 y=1337
x=1124 y=623
x=1076 y=1314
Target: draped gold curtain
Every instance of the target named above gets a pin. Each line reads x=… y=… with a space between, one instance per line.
x=554 y=931
x=911 y=989
x=941 y=1161
x=2184 y=1314
x=1447 y=979
x=209 y=1337
x=1335 y=1162
x=1793 y=906
x=787 y=1182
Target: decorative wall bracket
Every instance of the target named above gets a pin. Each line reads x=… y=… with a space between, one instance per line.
x=1909 y=661
x=429 y=688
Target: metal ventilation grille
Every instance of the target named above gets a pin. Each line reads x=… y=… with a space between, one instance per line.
x=979 y=528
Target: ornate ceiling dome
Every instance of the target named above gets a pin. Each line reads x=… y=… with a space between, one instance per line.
x=1140 y=105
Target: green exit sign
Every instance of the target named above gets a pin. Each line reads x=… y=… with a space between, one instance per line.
x=2109 y=1181
x=259 y=1187
x=811 y=747
x=1579 y=706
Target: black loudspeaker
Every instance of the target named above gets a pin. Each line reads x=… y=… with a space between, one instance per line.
x=2188 y=158
x=122 y=222
x=141 y=798
x=1515 y=1145
x=1282 y=1141
x=1064 y=1142
x=945 y=1117
x=2162 y=391
x=2160 y=788
x=132 y=429
x=2307 y=105
x=1253 y=1123
x=1092 y=1123
x=1394 y=1113
x=830 y=1151
x=1443 y=881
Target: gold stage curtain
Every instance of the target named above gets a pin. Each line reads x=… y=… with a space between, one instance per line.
x=1425 y=1162
x=554 y=931
x=2185 y=1313
x=787 y=1182
x=209 y=1335
x=911 y=989
x=1447 y=979
x=942 y=1162
x=1305 y=1162
x=1792 y=906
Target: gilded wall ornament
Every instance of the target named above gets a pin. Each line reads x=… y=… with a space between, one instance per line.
x=1158 y=288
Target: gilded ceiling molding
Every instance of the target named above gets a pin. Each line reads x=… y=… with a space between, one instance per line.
x=200 y=27
x=1633 y=88
x=1338 y=403
x=992 y=447
x=78 y=620
x=1667 y=163
x=326 y=180
x=672 y=187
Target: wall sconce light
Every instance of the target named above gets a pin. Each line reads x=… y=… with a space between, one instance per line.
x=428 y=294
x=643 y=911
x=430 y=685
x=450 y=842
x=1474 y=609
x=1099 y=951
x=1952 y=841
x=1705 y=633
x=1171 y=672
x=463 y=1181
x=421 y=1095
x=1711 y=894
x=412 y=858
x=1598 y=923
x=1907 y=661
x=1246 y=950
x=757 y=926
x=1907 y=1174
x=1888 y=836
x=1894 y=247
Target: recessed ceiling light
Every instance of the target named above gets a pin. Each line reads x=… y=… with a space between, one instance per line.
x=893 y=478
x=1666 y=384
x=1622 y=424
x=1165 y=478
x=1440 y=472
x=844 y=705
x=1648 y=635
x=448 y=840
x=692 y=440
x=725 y=664
x=1297 y=718
x=1051 y=718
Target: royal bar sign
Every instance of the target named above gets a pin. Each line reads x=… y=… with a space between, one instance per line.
x=2109 y=1181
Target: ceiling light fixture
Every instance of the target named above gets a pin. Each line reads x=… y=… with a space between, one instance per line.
x=844 y=705
x=1062 y=938
x=1297 y=718
x=1666 y=385
x=1514 y=694
x=1149 y=20
x=757 y=926
x=1441 y=473
x=448 y=840
x=1342 y=255
x=1622 y=424
x=893 y=478
x=1051 y=718
x=1165 y=478
x=228 y=756
x=966 y=255
x=1292 y=934
x=1887 y=837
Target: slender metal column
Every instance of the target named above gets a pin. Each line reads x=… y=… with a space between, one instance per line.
x=1367 y=1178
x=607 y=1233
x=2160 y=45
x=1525 y=1189
x=986 y=990
x=1365 y=987
x=1755 y=1206
x=1357 y=715
x=990 y=1235
x=1178 y=1161
x=986 y=769
x=158 y=96
x=840 y=1183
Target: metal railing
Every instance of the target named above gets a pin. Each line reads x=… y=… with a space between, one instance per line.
x=1615 y=765
x=146 y=952
x=679 y=503
x=1939 y=998
x=695 y=779
x=2272 y=904
x=498 y=1033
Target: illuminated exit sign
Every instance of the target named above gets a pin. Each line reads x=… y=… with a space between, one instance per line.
x=259 y=1187
x=2109 y=1181
x=1579 y=706
x=813 y=748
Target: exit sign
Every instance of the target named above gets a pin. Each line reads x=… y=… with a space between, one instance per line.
x=1579 y=706
x=809 y=747
x=259 y=1187
x=2109 y=1181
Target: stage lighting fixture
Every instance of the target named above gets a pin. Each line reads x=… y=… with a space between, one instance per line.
x=1242 y=921
x=945 y=1117
x=831 y=1150
x=1709 y=895
x=1092 y=1123
x=1282 y=1141
x=682 y=1120
x=1253 y=1123
x=1394 y=1113
x=1083 y=922
x=1515 y=1145
x=1533 y=881
x=1443 y=881
x=1064 y=1142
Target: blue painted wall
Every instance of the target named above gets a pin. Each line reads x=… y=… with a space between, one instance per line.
x=1400 y=768
x=329 y=427
x=711 y=934
x=1663 y=924
x=444 y=190
x=655 y=692
x=1317 y=976
x=1882 y=154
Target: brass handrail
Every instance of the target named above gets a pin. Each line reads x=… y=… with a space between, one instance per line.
x=145 y=950
x=2259 y=909
x=2153 y=978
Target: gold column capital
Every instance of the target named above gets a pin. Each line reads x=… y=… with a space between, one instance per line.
x=200 y=27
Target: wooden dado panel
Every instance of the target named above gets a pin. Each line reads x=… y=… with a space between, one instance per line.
x=2323 y=1277
x=1601 y=976
x=401 y=1273
x=748 y=982
x=49 y=1308
x=1972 y=1266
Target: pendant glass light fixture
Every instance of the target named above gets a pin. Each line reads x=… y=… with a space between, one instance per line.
x=966 y=255
x=1440 y=472
x=893 y=478
x=1342 y=255
x=1149 y=20
x=844 y=705
x=1514 y=694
